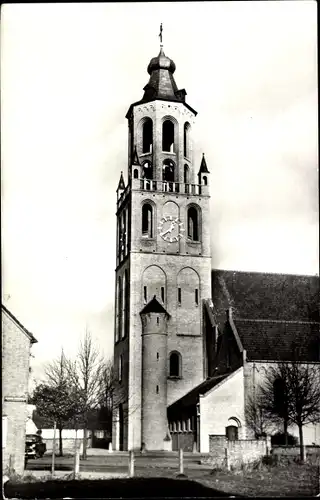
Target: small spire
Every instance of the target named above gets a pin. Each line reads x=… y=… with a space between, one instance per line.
x=203 y=166
x=160 y=36
x=121 y=185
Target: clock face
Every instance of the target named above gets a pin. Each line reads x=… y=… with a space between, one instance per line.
x=171 y=228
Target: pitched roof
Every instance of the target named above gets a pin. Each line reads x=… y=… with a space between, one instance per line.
x=33 y=340
x=272 y=340
x=154 y=306
x=191 y=398
x=269 y=296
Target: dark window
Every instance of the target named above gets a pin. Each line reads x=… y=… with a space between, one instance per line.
x=279 y=395
x=175 y=365
x=126 y=304
x=157 y=389
x=186 y=174
x=196 y=296
x=205 y=180
x=145 y=293
x=157 y=355
x=157 y=320
x=168 y=171
x=147 y=170
x=193 y=224
x=147 y=220
x=167 y=136
x=119 y=310
x=135 y=173
x=186 y=140
x=179 y=295
x=162 y=293
x=120 y=367
x=147 y=136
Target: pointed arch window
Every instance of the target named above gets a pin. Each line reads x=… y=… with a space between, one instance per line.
x=136 y=174
x=147 y=216
x=147 y=131
x=186 y=140
x=193 y=224
x=168 y=136
x=175 y=364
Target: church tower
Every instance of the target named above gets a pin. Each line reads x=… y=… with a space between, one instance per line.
x=163 y=269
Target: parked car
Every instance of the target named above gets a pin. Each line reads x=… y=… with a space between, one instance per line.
x=35 y=447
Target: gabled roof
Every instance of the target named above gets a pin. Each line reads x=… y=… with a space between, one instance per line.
x=272 y=340
x=254 y=295
x=32 y=339
x=154 y=306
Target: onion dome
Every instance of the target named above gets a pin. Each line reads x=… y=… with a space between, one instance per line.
x=161 y=62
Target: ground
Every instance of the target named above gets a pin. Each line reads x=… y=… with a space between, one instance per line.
x=158 y=480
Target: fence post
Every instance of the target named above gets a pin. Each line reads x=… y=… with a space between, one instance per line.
x=180 y=461
x=226 y=458
x=76 y=464
x=131 y=463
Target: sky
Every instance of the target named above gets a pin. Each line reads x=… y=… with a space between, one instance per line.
x=69 y=75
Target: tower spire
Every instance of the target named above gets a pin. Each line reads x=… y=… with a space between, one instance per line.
x=160 y=36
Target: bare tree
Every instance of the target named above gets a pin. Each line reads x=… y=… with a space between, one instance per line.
x=85 y=373
x=275 y=397
x=303 y=383
x=56 y=399
x=291 y=393
x=257 y=418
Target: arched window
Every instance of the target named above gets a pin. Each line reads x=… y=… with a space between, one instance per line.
x=175 y=365
x=147 y=136
x=186 y=139
x=193 y=224
x=186 y=174
x=135 y=173
x=205 y=180
x=119 y=308
x=147 y=221
x=147 y=170
x=168 y=136
x=168 y=171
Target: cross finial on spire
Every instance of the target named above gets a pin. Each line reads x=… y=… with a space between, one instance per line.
x=160 y=35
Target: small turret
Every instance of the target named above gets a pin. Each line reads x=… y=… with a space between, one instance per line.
x=203 y=177
x=154 y=424
x=121 y=186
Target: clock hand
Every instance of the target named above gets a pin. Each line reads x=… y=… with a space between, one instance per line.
x=166 y=232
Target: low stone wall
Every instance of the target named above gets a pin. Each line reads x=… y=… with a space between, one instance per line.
x=232 y=454
x=293 y=451
x=67 y=445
